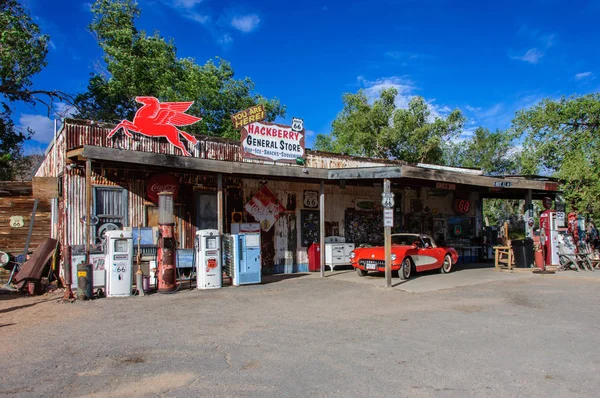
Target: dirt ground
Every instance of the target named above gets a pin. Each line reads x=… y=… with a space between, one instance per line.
x=306 y=336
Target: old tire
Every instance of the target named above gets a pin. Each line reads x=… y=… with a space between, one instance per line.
x=406 y=270
x=446 y=265
x=361 y=272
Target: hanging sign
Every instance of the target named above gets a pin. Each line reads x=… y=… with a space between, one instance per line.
x=161 y=183
x=265 y=207
x=160 y=119
x=269 y=141
x=247 y=116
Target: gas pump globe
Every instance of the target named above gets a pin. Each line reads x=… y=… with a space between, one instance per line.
x=165 y=259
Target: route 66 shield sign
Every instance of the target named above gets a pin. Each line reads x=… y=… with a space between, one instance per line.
x=297 y=124
x=17 y=222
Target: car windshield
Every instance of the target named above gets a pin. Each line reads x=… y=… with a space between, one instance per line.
x=405 y=239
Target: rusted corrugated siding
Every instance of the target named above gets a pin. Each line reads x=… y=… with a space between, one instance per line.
x=54 y=161
x=136 y=202
x=74 y=206
x=81 y=133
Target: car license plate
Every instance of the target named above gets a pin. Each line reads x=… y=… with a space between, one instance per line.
x=371 y=265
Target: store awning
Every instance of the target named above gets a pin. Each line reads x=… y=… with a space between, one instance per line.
x=310 y=173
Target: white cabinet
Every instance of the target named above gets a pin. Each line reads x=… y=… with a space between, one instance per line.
x=337 y=254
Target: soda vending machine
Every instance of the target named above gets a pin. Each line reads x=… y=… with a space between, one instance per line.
x=208 y=259
x=241 y=254
x=549 y=232
x=119 y=263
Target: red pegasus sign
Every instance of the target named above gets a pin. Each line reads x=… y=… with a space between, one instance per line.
x=156 y=119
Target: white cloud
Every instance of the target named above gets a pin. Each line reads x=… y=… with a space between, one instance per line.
x=245 y=23
x=225 y=39
x=533 y=56
x=194 y=16
x=400 y=55
x=64 y=110
x=310 y=133
x=405 y=88
x=546 y=40
x=41 y=125
x=186 y=3
x=472 y=108
x=584 y=76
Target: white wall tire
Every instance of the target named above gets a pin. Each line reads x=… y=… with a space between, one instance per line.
x=446 y=265
x=405 y=270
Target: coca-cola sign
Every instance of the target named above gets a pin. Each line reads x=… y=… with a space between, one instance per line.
x=265 y=207
x=161 y=183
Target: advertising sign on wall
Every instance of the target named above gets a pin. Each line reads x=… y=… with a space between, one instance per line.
x=265 y=208
x=269 y=141
x=247 y=116
x=161 y=183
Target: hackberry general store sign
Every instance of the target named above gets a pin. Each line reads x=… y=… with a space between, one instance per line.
x=270 y=141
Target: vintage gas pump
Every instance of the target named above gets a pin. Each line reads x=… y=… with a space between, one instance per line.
x=550 y=232
x=208 y=257
x=165 y=258
x=118 y=263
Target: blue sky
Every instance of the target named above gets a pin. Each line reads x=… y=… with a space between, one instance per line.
x=486 y=58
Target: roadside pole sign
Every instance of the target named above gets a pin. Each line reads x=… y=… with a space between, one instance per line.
x=388 y=217
x=387 y=200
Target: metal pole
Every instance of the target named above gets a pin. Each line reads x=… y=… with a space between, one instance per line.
x=388 y=243
x=88 y=207
x=220 y=203
x=322 y=226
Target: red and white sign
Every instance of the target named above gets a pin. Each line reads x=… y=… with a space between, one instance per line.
x=265 y=207
x=161 y=183
x=269 y=141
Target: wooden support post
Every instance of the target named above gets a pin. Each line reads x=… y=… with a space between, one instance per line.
x=88 y=208
x=322 y=226
x=388 y=242
x=220 y=203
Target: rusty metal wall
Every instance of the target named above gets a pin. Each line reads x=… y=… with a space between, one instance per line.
x=137 y=191
x=79 y=133
x=54 y=160
x=74 y=206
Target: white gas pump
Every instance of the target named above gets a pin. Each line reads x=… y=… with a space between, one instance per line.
x=208 y=259
x=119 y=263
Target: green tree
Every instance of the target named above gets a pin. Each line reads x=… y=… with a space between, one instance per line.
x=140 y=64
x=493 y=152
x=23 y=52
x=562 y=138
x=379 y=129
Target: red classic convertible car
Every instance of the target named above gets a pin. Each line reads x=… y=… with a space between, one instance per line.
x=410 y=252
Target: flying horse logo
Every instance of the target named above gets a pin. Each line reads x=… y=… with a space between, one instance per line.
x=156 y=119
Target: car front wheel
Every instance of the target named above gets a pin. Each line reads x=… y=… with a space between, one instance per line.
x=447 y=265
x=406 y=270
x=361 y=272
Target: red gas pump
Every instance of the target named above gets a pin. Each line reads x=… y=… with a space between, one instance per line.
x=165 y=259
